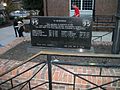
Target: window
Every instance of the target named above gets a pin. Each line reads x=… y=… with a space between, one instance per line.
x=82 y=4
x=77 y=2
x=87 y=5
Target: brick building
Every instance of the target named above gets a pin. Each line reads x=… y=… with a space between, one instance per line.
x=63 y=7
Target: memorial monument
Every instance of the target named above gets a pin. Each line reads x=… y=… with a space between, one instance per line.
x=61 y=32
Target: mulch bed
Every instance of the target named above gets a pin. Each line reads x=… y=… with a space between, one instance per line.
x=24 y=50
x=9 y=23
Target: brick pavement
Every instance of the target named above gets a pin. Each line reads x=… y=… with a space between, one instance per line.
x=58 y=75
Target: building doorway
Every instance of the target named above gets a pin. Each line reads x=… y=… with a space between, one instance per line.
x=85 y=6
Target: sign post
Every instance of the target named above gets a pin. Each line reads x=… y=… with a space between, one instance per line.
x=61 y=32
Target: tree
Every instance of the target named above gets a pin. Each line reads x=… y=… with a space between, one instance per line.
x=33 y=5
x=10 y=6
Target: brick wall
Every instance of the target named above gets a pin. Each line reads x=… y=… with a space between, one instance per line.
x=57 y=7
x=106 y=7
x=61 y=7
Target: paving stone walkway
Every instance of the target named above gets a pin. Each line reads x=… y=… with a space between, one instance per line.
x=61 y=76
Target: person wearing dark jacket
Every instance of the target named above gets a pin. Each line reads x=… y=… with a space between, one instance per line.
x=20 y=29
x=15 y=25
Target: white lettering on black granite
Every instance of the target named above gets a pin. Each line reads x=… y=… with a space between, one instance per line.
x=53 y=33
x=39 y=33
x=60 y=26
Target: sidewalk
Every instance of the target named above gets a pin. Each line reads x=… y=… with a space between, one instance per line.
x=7 y=35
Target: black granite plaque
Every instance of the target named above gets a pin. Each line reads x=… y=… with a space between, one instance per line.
x=61 y=32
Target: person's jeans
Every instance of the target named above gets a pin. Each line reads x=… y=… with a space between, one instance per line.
x=16 y=31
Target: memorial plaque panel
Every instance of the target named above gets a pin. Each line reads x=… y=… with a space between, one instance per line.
x=61 y=32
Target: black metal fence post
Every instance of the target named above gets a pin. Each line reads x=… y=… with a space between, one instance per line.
x=74 y=82
x=94 y=10
x=49 y=71
x=116 y=36
x=46 y=7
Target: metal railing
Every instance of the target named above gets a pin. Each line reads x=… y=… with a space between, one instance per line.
x=103 y=23
x=96 y=60
x=101 y=37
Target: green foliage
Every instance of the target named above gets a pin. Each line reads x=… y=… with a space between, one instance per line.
x=32 y=4
x=10 y=6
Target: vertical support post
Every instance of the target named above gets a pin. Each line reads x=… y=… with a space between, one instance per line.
x=29 y=86
x=94 y=10
x=116 y=39
x=100 y=71
x=116 y=36
x=74 y=82
x=46 y=7
x=49 y=71
x=11 y=83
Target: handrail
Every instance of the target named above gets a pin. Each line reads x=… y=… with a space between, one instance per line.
x=97 y=37
x=60 y=53
x=23 y=72
x=103 y=24
x=18 y=65
x=51 y=62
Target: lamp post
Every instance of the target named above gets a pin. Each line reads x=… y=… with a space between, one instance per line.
x=4 y=4
x=22 y=12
